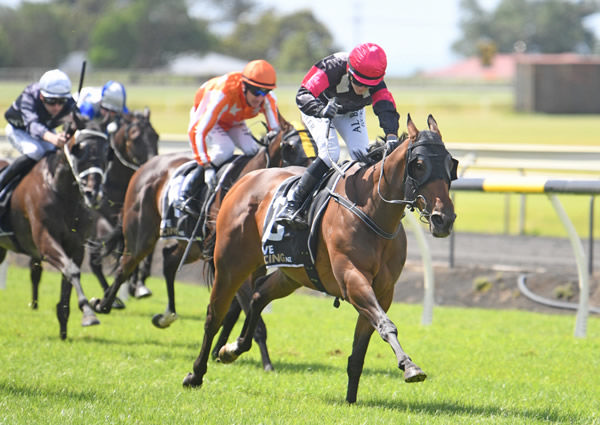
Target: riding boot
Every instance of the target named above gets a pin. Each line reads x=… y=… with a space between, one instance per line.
x=189 y=187
x=291 y=215
x=19 y=166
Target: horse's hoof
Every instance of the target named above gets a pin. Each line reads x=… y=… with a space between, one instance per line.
x=163 y=321
x=227 y=353
x=63 y=335
x=189 y=381
x=268 y=367
x=33 y=305
x=118 y=304
x=142 y=291
x=414 y=374
x=89 y=321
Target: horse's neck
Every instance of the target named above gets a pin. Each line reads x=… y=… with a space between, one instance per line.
x=60 y=176
x=388 y=185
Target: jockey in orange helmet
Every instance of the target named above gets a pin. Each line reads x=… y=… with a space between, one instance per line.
x=217 y=120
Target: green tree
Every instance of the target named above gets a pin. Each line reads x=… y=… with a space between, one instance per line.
x=292 y=42
x=550 y=26
x=37 y=33
x=142 y=33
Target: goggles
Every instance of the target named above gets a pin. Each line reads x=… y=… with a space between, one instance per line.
x=55 y=100
x=257 y=91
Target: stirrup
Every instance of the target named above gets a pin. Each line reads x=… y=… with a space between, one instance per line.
x=292 y=217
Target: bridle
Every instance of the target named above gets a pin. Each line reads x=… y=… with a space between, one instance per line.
x=116 y=150
x=439 y=165
x=77 y=175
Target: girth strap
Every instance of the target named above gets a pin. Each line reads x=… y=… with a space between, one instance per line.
x=351 y=206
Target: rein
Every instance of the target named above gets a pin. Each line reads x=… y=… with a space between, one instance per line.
x=423 y=214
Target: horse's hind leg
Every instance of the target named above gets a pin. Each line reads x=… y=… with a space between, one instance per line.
x=142 y=273
x=35 y=273
x=244 y=297
x=171 y=260
x=268 y=288
x=95 y=263
x=63 y=308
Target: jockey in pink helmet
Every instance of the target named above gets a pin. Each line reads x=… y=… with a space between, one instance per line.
x=334 y=93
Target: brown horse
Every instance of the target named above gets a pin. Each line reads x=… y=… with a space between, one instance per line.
x=132 y=143
x=142 y=214
x=361 y=246
x=50 y=212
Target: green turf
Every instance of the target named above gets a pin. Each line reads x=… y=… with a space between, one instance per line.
x=483 y=366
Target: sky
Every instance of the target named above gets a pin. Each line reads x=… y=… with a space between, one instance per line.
x=416 y=34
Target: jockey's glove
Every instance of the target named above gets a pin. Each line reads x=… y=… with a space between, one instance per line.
x=330 y=109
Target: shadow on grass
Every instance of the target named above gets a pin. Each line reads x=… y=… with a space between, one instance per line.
x=461 y=409
x=14 y=389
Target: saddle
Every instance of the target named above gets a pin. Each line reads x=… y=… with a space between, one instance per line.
x=176 y=224
x=297 y=248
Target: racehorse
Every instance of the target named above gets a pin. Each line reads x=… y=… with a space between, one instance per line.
x=143 y=210
x=132 y=143
x=50 y=214
x=361 y=246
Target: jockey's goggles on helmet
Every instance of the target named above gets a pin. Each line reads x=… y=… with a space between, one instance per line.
x=55 y=100
x=257 y=91
x=357 y=83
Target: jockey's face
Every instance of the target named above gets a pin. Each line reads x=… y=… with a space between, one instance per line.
x=255 y=96
x=53 y=104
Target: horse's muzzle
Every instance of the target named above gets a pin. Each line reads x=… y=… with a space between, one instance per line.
x=440 y=224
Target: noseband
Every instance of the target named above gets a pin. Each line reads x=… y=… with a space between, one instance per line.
x=438 y=164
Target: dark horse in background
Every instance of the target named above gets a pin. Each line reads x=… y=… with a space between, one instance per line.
x=143 y=210
x=50 y=216
x=132 y=143
x=361 y=246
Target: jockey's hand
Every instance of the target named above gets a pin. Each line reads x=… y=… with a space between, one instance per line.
x=391 y=138
x=271 y=135
x=61 y=139
x=330 y=109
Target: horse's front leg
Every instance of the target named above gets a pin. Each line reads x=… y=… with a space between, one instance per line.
x=35 y=273
x=372 y=307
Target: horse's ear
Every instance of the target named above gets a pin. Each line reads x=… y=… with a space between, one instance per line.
x=283 y=123
x=78 y=119
x=413 y=132
x=433 y=126
x=147 y=113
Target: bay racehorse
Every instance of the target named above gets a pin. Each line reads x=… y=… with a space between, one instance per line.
x=361 y=246
x=50 y=214
x=132 y=142
x=143 y=210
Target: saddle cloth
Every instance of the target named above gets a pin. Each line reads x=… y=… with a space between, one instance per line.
x=297 y=248
x=176 y=224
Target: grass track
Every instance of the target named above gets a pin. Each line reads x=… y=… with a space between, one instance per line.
x=484 y=366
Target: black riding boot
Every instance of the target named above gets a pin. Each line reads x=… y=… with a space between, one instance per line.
x=290 y=216
x=191 y=185
x=19 y=166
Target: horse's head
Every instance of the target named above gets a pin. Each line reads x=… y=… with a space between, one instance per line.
x=429 y=169
x=87 y=155
x=134 y=140
x=292 y=147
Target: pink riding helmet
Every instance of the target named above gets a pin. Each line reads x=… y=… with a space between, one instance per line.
x=367 y=63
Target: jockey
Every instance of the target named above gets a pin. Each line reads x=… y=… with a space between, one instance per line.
x=217 y=121
x=334 y=93
x=104 y=104
x=32 y=120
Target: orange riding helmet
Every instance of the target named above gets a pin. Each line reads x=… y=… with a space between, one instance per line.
x=260 y=73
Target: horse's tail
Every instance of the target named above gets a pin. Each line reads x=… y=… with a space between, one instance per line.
x=209 y=271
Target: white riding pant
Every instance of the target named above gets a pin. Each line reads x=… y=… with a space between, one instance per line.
x=26 y=144
x=351 y=126
x=221 y=144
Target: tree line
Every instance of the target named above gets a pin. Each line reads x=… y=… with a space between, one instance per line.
x=130 y=34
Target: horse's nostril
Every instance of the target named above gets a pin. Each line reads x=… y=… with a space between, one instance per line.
x=436 y=219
